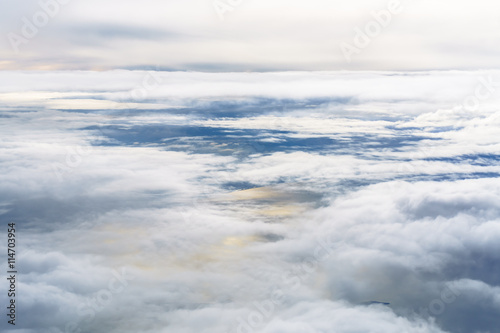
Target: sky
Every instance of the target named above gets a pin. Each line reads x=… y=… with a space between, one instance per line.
x=249 y=35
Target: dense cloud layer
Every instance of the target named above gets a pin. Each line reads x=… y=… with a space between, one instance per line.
x=187 y=202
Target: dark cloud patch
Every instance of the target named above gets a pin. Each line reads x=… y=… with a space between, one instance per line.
x=47 y=214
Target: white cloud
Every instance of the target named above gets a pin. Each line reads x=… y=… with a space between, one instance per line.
x=406 y=203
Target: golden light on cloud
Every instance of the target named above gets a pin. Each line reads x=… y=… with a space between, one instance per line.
x=6 y=65
x=229 y=249
x=239 y=241
x=253 y=194
x=272 y=202
x=75 y=101
x=279 y=210
x=123 y=242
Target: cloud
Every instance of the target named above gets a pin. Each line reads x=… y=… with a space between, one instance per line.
x=318 y=194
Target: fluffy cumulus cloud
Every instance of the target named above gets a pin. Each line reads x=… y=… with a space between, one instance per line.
x=240 y=203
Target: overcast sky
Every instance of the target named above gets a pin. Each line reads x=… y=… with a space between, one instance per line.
x=249 y=35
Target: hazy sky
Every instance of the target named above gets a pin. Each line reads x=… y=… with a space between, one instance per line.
x=250 y=35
